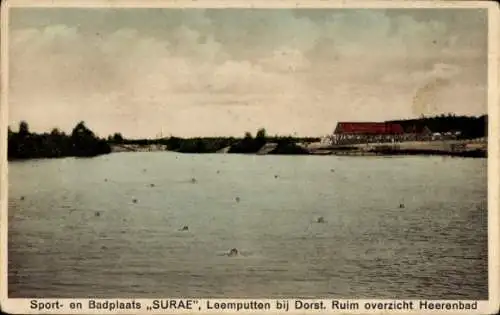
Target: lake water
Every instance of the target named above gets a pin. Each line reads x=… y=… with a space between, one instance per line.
x=368 y=247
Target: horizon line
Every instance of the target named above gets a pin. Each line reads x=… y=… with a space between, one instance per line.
x=292 y=134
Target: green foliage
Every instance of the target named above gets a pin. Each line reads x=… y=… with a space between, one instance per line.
x=469 y=127
x=286 y=147
x=261 y=134
x=82 y=142
x=249 y=144
x=117 y=138
x=202 y=145
x=23 y=129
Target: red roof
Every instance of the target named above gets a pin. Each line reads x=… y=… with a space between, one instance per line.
x=365 y=128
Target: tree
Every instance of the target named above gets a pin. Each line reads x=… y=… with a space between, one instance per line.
x=23 y=129
x=55 y=132
x=261 y=134
x=81 y=131
x=85 y=143
x=117 y=137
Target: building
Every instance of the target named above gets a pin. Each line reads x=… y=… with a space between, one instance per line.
x=366 y=132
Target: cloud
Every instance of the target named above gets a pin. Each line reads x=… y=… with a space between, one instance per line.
x=282 y=69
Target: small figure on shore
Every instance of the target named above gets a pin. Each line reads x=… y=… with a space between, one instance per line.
x=332 y=170
x=105 y=179
x=401 y=205
x=193 y=180
x=134 y=200
x=151 y=185
x=237 y=199
x=97 y=214
x=276 y=176
x=22 y=198
x=320 y=220
x=233 y=252
x=184 y=228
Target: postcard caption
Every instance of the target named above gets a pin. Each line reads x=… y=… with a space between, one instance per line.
x=204 y=305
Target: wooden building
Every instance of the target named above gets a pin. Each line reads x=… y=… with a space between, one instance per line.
x=367 y=132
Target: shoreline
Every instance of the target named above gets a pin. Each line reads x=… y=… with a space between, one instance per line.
x=451 y=148
x=474 y=148
x=457 y=136
x=477 y=154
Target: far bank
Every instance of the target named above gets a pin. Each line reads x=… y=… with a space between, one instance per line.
x=447 y=135
x=477 y=148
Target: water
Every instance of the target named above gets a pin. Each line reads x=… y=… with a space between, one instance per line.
x=368 y=247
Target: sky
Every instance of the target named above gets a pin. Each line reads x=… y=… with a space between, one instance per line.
x=222 y=72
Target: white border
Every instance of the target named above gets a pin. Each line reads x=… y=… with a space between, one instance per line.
x=485 y=307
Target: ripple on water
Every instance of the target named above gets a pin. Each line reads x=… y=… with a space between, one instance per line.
x=427 y=249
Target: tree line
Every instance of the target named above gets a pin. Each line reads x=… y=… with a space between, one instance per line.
x=469 y=127
x=247 y=144
x=82 y=142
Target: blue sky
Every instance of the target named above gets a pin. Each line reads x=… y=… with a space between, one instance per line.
x=223 y=72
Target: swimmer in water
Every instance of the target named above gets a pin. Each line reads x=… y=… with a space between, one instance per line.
x=184 y=228
x=320 y=220
x=233 y=252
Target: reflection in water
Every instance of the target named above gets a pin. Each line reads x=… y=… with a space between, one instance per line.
x=74 y=234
